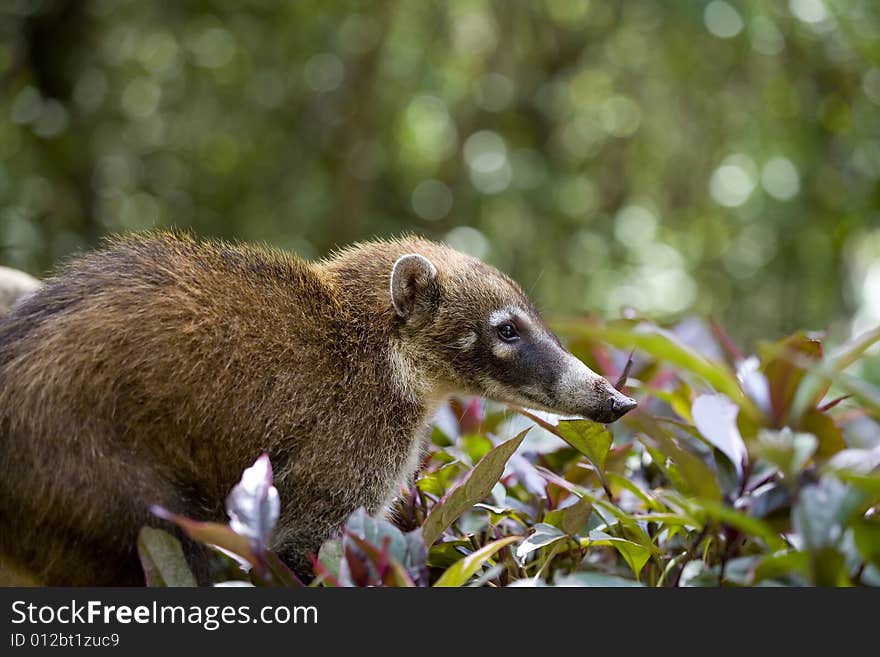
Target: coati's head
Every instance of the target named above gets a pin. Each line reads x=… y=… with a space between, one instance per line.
x=475 y=331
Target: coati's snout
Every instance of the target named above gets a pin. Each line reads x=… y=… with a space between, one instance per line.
x=479 y=333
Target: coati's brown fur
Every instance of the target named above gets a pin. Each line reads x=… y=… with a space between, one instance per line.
x=154 y=370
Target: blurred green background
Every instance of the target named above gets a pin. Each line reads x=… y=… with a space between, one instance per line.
x=674 y=157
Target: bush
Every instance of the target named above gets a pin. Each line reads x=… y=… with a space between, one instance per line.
x=733 y=471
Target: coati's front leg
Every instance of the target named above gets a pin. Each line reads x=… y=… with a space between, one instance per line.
x=304 y=527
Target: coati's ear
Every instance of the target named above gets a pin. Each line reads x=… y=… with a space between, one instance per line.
x=413 y=285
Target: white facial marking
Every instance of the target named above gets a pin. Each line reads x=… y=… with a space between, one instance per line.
x=501 y=315
x=503 y=350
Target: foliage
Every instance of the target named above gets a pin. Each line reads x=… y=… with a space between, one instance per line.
x=741 y=471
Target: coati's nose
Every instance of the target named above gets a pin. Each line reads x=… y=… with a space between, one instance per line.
x=620 y=406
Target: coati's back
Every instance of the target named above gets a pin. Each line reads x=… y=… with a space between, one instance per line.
x=149 y=372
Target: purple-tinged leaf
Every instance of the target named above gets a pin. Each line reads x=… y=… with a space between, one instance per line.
x=253 y=505
x=715 y=418
x=827 y=406
x=824 y=428
x=470 y=415
x=786 y=363
x=726 y=341
x=526 y=474
x=213 y=533
x=278 y=573
x=754 y=383
x=366 y=564
x=406 y=549
x=624 y=375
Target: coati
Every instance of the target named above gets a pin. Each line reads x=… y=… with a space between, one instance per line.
x=14 y=284
x=155 y=369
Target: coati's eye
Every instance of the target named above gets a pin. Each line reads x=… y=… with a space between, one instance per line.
x=507 y=332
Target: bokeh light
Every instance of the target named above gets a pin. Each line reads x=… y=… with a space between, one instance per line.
x=717 y=156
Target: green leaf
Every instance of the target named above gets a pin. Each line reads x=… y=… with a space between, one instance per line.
x=623 y=482
x=850 y=352
x=867 y=394
x=698 y=573
x=595 y=579
x=666 y=466
x=699 y=477
x=475 y=445
x=742 y=522
x=829 y=567
x=866 y=534
x=162 y=559
x=440 y=480
x=573 y=518
x=462 y=570
x=542 y=536
x=867 y=484
x=785 y=449
x=476 y=485
x=443 y=555
x=279 y=573
x=823 y=427
x=635 y=555
x=783 y=564
x=857 y=461
x=591 y=439
x=330 y=555
x=822 y=512
x=814 y=385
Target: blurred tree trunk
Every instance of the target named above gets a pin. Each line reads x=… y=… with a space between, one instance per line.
x=353 y=194
x=51 y=35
